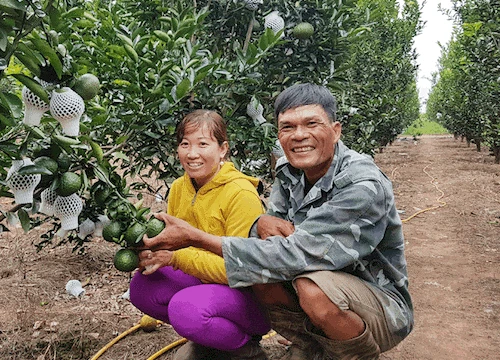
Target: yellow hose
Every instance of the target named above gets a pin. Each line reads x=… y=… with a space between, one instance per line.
x=184 y=340
x=442 y=203
x=167 y=348
x=115 y=340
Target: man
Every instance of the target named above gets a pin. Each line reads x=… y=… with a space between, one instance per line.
x=330 y=267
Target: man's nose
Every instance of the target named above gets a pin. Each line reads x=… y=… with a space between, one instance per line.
x=300 y=133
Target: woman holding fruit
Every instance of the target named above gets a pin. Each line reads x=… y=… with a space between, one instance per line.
x=187 y=288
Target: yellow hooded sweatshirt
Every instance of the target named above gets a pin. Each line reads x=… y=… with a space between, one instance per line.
x=227 y=205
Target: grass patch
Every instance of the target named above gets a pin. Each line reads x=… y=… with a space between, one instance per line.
x=425 y=127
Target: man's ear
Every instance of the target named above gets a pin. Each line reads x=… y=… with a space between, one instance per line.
x=337 y=130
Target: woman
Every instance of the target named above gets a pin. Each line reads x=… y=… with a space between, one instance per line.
x=187 y=288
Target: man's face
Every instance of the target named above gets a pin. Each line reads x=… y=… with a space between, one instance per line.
x=308 y=139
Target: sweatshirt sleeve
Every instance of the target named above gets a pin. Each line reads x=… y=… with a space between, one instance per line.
x=334 y=235
x=239 y=214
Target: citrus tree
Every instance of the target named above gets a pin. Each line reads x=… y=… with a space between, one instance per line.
x=380 y=99
x=128 y=75
x=466 y=91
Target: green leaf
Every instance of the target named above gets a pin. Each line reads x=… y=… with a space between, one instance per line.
x=14 y=4
x=30 y=62
x=120 y=155
x=34 y=169
x=3 y=40
x=102 y=174
x=7 y=121
x=182 y=88
x=125 y=39
x=50 y=54
x=34 y=86
x=24 y=219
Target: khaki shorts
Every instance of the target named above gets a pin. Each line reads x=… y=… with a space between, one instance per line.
x=349 y=292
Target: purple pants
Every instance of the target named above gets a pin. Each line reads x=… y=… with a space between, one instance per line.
x=211 y=315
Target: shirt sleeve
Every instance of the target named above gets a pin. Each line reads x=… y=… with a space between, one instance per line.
x=240 y=214
x=333 y=235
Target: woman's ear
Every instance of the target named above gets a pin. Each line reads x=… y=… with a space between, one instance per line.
x=224 y=150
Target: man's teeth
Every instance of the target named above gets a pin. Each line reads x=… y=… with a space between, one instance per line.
x=303 y=149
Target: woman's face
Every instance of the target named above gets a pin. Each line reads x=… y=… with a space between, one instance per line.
x=200 y=154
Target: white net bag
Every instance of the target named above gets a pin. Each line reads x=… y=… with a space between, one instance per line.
x=22 y=185
x=48 y=197
x=102 y=221
x=75 y=288
x=253 y=4
x=67 y=209
x=87 y=227
x=255 y=111
x=67 y=107
x=274 y=21
x=34 y=107
x=278 y=150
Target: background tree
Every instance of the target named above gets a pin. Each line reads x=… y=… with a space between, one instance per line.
x=466 y=92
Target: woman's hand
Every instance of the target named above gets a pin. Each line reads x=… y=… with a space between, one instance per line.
x=150 y=261
x=268 y=225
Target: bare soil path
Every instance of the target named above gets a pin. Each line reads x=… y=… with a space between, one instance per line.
x=453 y=259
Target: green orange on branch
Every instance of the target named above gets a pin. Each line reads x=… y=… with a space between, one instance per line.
x=112 y=231
x=303 y=30
x=47 y=162
x=87 y=86
x=133 y=235
x=126 y=260
x=69 y=183
x=154 y=227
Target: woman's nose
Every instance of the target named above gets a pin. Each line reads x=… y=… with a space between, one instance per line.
x=192 y=154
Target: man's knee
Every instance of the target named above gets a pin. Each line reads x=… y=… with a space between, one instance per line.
x=315 y=302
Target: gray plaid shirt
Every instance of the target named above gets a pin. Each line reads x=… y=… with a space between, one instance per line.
x=347 y=221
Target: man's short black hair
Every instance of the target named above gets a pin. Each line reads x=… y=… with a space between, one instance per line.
x=306 y=94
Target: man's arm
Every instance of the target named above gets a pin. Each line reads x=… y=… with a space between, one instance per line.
x=179 y=234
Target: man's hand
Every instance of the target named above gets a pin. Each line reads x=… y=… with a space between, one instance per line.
x=175 y=235
x=179 y=234
x=268 y=225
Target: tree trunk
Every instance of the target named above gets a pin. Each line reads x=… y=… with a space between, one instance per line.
x=478 y=144
x=496 y=152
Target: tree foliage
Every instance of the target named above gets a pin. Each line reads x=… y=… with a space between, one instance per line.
x=466 y=92
x=162 y=59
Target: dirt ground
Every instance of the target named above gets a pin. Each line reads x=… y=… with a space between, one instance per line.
x=453 y=259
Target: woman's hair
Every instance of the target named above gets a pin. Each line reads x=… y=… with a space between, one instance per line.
x=306 y=94
x=214 y=123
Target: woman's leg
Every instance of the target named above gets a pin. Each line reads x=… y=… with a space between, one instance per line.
x=217 y=316
x=152 y=293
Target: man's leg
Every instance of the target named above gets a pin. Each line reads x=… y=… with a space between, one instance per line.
x=335 y=302
x=342 y=333
x=288 y=319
